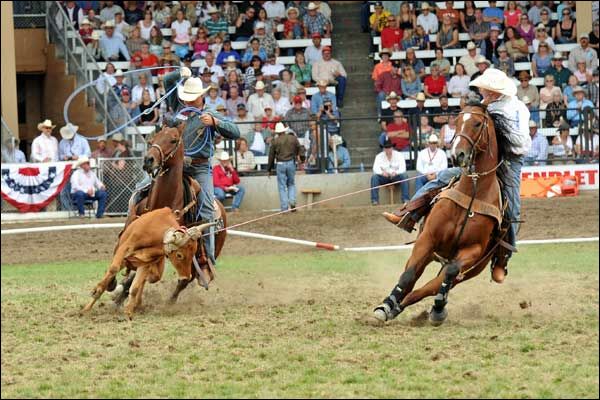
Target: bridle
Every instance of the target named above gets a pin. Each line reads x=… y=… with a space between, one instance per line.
x=164 y=158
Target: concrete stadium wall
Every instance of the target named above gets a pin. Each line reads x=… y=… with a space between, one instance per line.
x=262 y=193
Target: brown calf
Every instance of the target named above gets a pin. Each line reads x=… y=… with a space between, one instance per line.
x=144 y=244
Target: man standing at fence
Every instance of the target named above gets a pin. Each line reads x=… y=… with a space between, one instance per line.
x=286 y=150
x=44 y=148
x=198 y=139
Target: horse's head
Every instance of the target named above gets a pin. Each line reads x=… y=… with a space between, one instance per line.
x=474 y=135
x=164 y=146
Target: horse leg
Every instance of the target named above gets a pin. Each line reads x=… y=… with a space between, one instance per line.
x=135 y=295
x=122 y=290
x=181 y=284
x=465 y=258
x=420 y=257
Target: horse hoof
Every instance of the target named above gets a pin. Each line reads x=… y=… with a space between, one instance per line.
x=437 y=318
x=117 y=292
x=380 y=315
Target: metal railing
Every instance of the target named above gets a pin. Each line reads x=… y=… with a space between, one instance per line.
x=120 y=176
x=78 y=59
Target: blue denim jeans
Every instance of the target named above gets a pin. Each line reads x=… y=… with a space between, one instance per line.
x=380 y=97
x=237 y=197
x=420 y=182
x=206 y=211
x=341 y=89
x=80 y=197
x=286 y=183
x=377 y=180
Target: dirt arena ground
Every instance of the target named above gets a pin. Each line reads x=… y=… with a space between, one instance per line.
x=350 y=226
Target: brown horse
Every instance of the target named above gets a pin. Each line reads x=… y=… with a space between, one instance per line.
x=164 y=163
x=458 y=231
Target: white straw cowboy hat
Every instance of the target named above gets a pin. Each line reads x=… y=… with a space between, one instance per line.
x=260 y=85
x=68 y=131
x=45 y=124
x=82 y=160
x=471 y=46
x=212 y=10
x=322 y=82
x=280 y=128
x=577 y=89
x=532 y=124
x=312 y=6
x=85 y=22
x=191 y=90
x=109 y=24
x=496 y=81
x=224 y=156
x=420 y=96
x=118 y=73
x=287 y=12
x=230 y=59
x=260 y=25
x=385 y=51
x=392 y=95
x=433 y=138
x=118 y=137
x=481 y=59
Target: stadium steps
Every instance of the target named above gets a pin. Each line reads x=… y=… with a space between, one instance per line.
x=351 y=48
x=60 y=85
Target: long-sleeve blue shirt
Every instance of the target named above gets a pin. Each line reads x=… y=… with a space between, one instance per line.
x=111 y=47
x=573 y=115
x=78 y=146
x=317 y=100
x=343 y=156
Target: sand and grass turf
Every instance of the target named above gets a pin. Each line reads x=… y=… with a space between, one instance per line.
x=296 y=325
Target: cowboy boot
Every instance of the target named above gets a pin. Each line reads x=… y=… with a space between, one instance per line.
x=403 y=219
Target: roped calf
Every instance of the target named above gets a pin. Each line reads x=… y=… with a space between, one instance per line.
x=144 y=244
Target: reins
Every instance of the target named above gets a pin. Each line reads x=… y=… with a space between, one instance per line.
x=163 y=158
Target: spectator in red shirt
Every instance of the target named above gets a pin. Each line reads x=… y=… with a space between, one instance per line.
x=398 y=132
x=269 y=120
x=226 y=181
x=449 y=10
x=148 y=59
x=391 y=35
x=435 y=84
x=388 y=82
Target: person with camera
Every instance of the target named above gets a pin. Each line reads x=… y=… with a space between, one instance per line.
x=329 y=114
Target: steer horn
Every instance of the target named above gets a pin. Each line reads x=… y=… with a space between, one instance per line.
x=196 y=231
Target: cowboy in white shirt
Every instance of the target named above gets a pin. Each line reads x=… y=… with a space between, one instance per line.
x=44 y=148
x=500 y=96
x=85 y=185
x=430 y=161
x=389 y=166
x=427 y=19
x=258 y=101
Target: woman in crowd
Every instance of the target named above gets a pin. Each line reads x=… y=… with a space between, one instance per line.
x=555 y=111
x=459 y=83
x=262 y=17
x=301 y=70
x=516 y=46
x=146 y=24
x=563 y=144
x=548 y=22
x=161 y=14
x=414 y=62
x=163 y=108
x=254 y=50
x=424 y=131
x=583 y=74
x=566 y=30
x=250 y=72
x=244 y=157
x=287 y=84
x=541 y=36
x=156 y=41
x=152 y=117
x=448 y=131
x=549 y=92
x=233 y=80
x=568 y=90
x=441 y=62
x=213 y=100
x=512 y=14
x=182 y=30
x=541 y=60
x=467 y=16
x=447 y=36
x=406 y=18
x=410 y=83
x=199 y=44
x=217 y=45
x=525 y=29
x=421 y=39
x=134 y=43
x=292 y=27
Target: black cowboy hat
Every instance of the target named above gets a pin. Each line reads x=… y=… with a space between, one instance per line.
x=387 y=144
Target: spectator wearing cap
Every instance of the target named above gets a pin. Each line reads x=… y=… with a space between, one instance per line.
x=315 y=22
x=330 y=115
x=430 y=161
x=387 y=114
x=384 y=65
x=298 y=116
x=558 y=71
x=44 y=147
x=121 y=113
x=541 y=60
x=391 y=35
x=227 y=181
x=538 y=152
x=244 y=24
x=479 y=29
x=583 y=52
x=112 y=48
x=541 y=36
x=389 y=167
x=213 y=100
x=388 y=82
x=427 y=19
x=86 y=186
x=458 y=85
x=482 y=64
x=266 y=40
x=489 y=46
x=73 y=145
x=244 y=121
x=318 y=99
x=378 y=20
x=435 y=85
x=258 y=101
x=283 y=154
x=469 y=60
x=253 y=50
x=181 y=33
x=332 y=71
x=525 y=89
x=503 y=62
x=216 y=24
x=576 y=107
x=314 y=52
x=410 y=83
x=493 y=14
x=397 y=130
x=306 y=103
x=102 y=150
x=562 y=144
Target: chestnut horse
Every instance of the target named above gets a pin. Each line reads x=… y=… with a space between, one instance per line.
x=460 y=237
x=164 y=163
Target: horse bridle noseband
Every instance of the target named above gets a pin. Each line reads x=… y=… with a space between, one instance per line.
x=163 y=158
